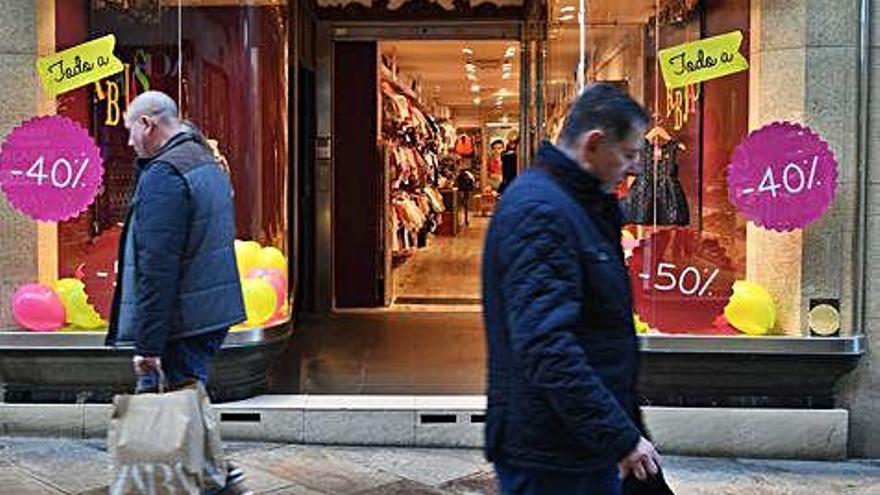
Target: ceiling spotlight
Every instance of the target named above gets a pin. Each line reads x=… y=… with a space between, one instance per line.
x=477 y=100
x=468 y=51
x=566 y=18
x=470 y=67
x=568 y=8
x=510 y=52
x=475 y=88
x=507 y=67
x=506 y=75
x=472 y=77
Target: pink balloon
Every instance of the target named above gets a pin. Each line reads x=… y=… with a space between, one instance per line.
x=38 y=308
x=278 y=280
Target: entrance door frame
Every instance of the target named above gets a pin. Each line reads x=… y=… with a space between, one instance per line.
x=330 y=32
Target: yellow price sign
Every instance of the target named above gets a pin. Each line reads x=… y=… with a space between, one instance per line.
x=703 y=60
x=79 y=66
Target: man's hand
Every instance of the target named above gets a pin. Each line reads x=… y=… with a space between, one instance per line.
x=145 y=364
x=642 y=462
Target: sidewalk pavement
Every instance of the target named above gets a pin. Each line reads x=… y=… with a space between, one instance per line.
x=31 y=466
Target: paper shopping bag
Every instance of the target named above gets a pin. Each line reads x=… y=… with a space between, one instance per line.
x=164 y=443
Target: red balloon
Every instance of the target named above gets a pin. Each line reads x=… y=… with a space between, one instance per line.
x=38 y=308
x=278 y=280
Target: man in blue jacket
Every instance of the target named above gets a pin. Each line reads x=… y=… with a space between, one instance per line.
x=563 y=416
x=177 y=289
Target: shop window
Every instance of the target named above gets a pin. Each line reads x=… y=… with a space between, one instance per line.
x=226 y=65
x=695 y=255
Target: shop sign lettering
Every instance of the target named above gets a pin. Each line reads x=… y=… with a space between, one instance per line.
x=116 y=93
x=782 y=176
x=703 y=60
x=79 y=66
x=50 y=168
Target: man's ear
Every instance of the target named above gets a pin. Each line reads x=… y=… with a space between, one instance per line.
x=590 y=141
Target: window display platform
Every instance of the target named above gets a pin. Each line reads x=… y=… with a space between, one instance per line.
x=78 y=367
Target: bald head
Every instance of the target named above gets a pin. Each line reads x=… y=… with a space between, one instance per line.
x=151 y=121
x=154 y=104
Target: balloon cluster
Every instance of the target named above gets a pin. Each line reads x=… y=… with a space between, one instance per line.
x=40 y=308
x=263 y=272
x=751 y=311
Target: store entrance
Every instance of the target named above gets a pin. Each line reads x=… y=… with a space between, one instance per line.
x=426 y=139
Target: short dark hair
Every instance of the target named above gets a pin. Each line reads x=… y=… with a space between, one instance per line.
x=605 y=107
x=497 y=141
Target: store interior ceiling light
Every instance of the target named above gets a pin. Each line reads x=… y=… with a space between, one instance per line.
x=467 y=51
x=567 y=8
x=441 y=63
x=475 y=88
x=566 y=17
x=507 y=67
x=477 y=100
x=510 y=52
x=470 y=67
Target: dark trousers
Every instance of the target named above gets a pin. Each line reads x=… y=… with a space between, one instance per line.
x=519 y=481
x=185 y=361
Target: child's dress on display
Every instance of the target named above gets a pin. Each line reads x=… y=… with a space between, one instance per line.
x=671 y=203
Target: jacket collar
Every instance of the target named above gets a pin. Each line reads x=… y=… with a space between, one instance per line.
x=581 y=184
x=176 y=140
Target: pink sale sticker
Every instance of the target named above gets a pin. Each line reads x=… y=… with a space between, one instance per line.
x=50 y=168
x=782 y=177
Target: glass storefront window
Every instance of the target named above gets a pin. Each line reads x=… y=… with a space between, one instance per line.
x=701 y=262
x=226 y=64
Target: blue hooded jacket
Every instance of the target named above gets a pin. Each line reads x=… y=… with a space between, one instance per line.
x=563 y=354
x=177 y=274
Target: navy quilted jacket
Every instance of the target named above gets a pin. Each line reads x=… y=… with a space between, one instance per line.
x=563 y=355
x=177 y=271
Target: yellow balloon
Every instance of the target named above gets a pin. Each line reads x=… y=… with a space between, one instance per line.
x=80 y=314
x=259 y=300
x=246 y=253
x=641 y=327
x=751 y=309
x=272 y=257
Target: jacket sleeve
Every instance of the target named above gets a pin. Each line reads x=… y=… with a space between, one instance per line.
x=543 y=293
x=160 y=230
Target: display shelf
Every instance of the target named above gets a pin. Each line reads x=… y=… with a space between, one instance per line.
x=753 y=345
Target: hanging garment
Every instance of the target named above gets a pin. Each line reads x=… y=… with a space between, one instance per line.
x=671 y=203
x=464 y=145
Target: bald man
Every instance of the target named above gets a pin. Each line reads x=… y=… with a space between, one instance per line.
x=177 y=288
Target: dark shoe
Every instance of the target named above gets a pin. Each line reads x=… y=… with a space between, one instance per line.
x=234 y=482
x=235 y=488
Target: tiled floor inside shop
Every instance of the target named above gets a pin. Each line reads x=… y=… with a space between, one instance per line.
x=388 y=352
x=431 y=341
x=447 y=270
